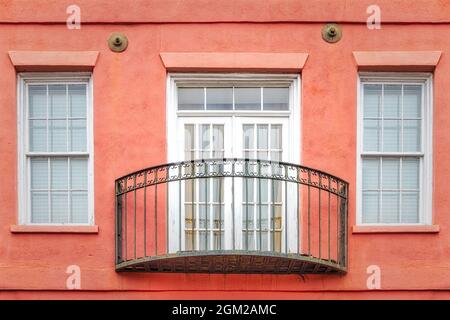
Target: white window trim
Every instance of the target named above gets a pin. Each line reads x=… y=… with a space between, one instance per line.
x=24 y=217
x=426 y=195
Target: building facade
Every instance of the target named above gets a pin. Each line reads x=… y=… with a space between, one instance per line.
x=224 y=149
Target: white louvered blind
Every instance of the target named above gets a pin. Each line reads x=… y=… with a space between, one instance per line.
x=392 y=152
x=57 y=153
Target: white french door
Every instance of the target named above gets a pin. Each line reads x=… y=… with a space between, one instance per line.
x=207 y=221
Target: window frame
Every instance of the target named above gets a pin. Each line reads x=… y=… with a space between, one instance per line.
x=23 y=79
x=426 y=164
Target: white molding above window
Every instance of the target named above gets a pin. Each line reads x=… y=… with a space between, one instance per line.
x=24 y=153
x=425 y=154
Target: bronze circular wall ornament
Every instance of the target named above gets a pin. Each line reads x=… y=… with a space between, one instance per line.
x=331 y=33
x=118 y=42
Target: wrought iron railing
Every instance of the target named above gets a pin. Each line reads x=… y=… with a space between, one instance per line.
x=231 y=216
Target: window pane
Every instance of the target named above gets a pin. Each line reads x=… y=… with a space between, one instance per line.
x=410 y=173
x=59 y=173
x=248 y=136
x=39 y=207
x=392 y=101
x=218 y=140
x=391 y=135
x=410 y=207
x=59 y=202
x=189 y=141
x=247 y=98
x=276 y=98
x=391 y=173
x=39 y=173
x=57 y=103
x=58 y=135
x=191 y=98
x=37 y=96
x=275 y=156
x=371 y=174
x=79 y=174
x=77 y=100
x=372 y=135
x=263 y=135
x=390 y=207
x=411 y=135
x=370 y=207
x=38 y=135
x=205 y=137
x=219 y=98
x=412 y=101
x=372 y=100
x=78 y=133
x=275 y=136
x=79 y=207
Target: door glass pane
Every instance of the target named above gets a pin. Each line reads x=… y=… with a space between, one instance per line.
x=372 y=101
x=219 y=98
x=276 y=98
x=217 y=137
x=262 y=130
x=275 y=136
x=392 y=101
x=205 y=137
x=191 y=98
x=247 y=98
x=37 y=97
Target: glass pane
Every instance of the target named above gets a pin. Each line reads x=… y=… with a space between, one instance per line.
x=202 y=240
x=78 y=135
x=189 y=137
x=205 y=137
x=248 y=189
x=218 y=140
x=77 y=100
x=278 y=217
x=59 y=174
x=191 y=99
x=219 y=98
x=371 y=174
x=412 y=101
x=275 y=136
x=277 y=191
x=391 y=135
x=410 y=173
x=79 y=207
x=202 y=215
x=390 y=207
x=370 y=207
x=276 y=98
x=262 y=186
x=263 y=155
x=372 y=100
x=39 y=173
x=372 y=135
x=57 y=103
x=247 y=98
x=263 y=239
x=410 y=207
x=391 y=173
x=39 y=207
x=248 y=240
x=188 y=216
x=392 y=101
x=60 y=206
x=38 y=135
x=248 y=136
x=188 y=240
x=58 y=135
x=262 y=130
x=37 y=96
x=218 y=215
x=204 y=194
x=217 y=185
x=79 y=174
x=411 y=135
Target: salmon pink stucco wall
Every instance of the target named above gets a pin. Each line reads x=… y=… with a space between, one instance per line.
x=130 y=134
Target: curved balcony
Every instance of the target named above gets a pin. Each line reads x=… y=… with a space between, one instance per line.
x=231 y=216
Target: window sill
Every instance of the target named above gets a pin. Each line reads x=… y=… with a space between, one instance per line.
x=53 y=229
x=396 y=229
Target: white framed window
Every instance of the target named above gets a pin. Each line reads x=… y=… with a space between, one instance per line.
x=254 y=116
x=55 y=149
x=395 y=122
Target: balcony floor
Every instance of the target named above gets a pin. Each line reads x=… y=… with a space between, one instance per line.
x=232 y=262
